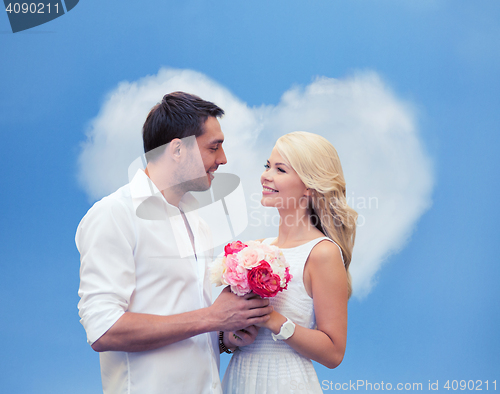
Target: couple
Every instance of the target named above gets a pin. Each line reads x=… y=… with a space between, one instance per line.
x=146 y=304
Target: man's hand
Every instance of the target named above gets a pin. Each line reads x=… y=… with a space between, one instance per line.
x=234 y=312
x=243 y=337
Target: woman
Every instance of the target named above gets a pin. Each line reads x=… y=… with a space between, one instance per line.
x=303 y=179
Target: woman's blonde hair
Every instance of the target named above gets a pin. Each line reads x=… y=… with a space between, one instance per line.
x=318 y=165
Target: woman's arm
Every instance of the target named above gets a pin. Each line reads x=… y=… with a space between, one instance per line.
x=326 y=279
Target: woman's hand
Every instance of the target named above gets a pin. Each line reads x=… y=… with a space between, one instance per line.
x=274 y=323
x=244 y=337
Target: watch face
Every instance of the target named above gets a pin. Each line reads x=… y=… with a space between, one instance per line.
x=288 y=329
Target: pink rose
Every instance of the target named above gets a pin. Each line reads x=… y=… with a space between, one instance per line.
x=250 y=257
x=262 y=281
x=236 y=276
x=234 y=247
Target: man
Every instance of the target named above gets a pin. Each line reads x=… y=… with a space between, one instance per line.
x=145 y=295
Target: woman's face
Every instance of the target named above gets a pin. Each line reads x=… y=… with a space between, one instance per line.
x=282 y=187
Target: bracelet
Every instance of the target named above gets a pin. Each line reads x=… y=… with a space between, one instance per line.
x=222 y=347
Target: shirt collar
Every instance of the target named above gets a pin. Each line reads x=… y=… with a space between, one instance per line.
x=149 y=202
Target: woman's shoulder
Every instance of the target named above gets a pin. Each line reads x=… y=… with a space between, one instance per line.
x=326 y=251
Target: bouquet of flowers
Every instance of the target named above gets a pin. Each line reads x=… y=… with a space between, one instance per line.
x=251 y=267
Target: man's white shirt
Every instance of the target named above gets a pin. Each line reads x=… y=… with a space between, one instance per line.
x=137 y=256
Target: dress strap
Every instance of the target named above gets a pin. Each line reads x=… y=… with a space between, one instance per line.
x=316 y=241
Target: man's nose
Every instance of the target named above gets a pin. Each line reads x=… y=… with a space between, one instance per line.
x=221 y=159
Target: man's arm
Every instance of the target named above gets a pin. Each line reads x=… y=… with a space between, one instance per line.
x=106 y=241
x=135 y=332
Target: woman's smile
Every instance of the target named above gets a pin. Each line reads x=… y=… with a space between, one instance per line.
x=268 y=190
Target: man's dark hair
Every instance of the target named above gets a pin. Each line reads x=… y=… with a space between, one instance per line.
x=179 y=115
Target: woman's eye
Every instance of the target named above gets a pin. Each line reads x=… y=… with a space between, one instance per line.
x=267 y=166
x=281 y=170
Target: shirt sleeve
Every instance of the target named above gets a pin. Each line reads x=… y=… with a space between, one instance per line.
x=106 y=241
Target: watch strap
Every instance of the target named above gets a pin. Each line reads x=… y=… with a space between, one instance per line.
x=282 y=335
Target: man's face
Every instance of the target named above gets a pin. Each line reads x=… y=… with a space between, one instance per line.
x=211 y=152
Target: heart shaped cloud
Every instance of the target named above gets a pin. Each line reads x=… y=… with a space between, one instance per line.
x=389 y=175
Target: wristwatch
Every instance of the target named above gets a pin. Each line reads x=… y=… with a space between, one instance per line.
x=286 y=331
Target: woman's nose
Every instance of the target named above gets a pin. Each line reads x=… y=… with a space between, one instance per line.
x=266 y=176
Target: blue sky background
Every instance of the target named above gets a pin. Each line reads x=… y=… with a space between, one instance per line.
x=433 y=314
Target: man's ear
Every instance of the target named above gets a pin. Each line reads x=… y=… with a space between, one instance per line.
x=175 y=149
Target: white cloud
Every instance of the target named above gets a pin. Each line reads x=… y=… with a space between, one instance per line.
x=389 y=176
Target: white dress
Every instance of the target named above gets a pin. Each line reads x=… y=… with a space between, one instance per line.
x=273 y=367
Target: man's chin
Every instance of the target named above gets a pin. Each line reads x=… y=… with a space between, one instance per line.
x=196 y=185
x=201 y=184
